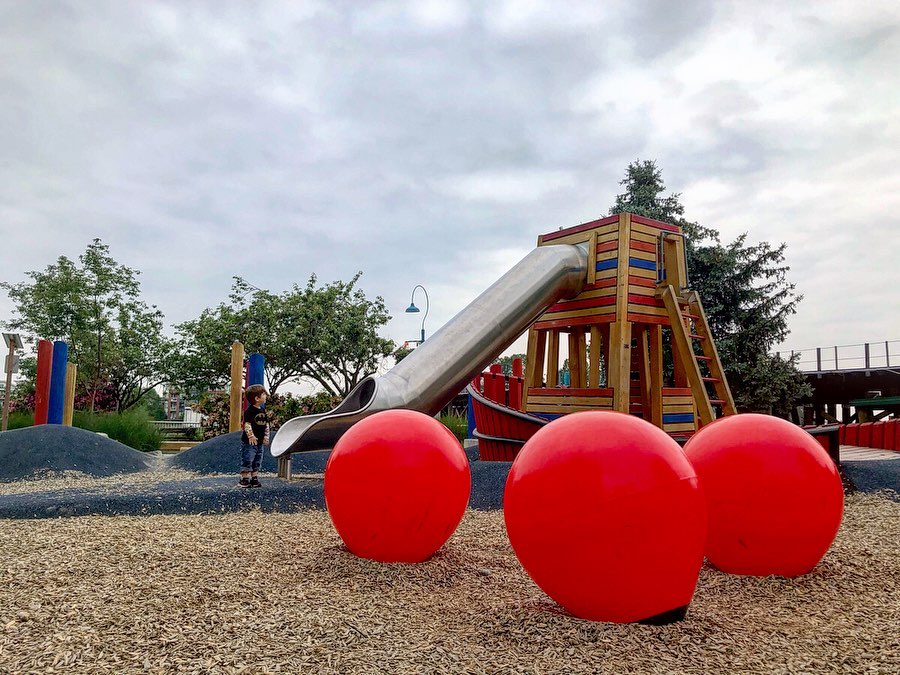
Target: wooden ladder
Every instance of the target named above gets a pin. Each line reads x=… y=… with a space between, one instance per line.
x=687 y=355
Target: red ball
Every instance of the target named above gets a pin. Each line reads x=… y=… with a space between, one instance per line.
x=396 y=486
x=774 y=496
x=606 y=515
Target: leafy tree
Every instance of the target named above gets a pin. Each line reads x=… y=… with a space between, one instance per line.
x=152 y=403
x=326 y=333
x=506 y=362
x=744 y=290
x=94 y=305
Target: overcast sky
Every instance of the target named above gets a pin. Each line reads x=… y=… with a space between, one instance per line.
x=432 y=141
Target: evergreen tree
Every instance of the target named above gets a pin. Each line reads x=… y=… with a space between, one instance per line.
x=744 y=290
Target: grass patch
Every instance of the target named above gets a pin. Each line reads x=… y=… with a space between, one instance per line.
x=457 y=424
x=20 y=420
x=132 y=428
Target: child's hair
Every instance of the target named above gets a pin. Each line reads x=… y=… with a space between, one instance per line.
x=254 y=391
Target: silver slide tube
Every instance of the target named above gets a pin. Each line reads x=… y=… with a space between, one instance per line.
x=440 y=367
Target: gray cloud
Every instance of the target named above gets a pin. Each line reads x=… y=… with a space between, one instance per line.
x=430 y=142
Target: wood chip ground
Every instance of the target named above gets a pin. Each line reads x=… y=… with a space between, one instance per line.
x=259 y=593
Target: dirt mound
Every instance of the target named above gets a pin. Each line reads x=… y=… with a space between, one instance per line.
x=222 y=454
x=51 y=448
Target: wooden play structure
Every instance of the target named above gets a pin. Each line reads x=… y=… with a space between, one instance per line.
x=636 y=305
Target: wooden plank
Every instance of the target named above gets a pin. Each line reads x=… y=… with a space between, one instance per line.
x=645 y=300
x=682 y=426
x=644 y=237
x=577 y=321
x=679 y=408
x=592 y=258
x=602 y=292
x=563 y=409
x=643 y=363
x=646 y=318
x=604 y=392
x=574 y=362
x=609 y=245
x=677 y=400
x=637 y=245
x=582 y=358
x=553 y=359
x=534 y=362
x=608 y=255
x=570 y=400
x=678 y=391
x=642 y=281
x=644 y=291
x=644 y=220
x=591 y=311
x=592 y=225
x=644 y=274
x=607 y=274
x=642 y=255
x=654 y=345
x=573 y=239
x=646 y=310
x=569 y=305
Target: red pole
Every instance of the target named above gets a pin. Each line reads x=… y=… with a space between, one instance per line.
x=517 y=369
x=42 y=382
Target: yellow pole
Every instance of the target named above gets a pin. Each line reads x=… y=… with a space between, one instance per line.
x=69 y=404
x=237 y=386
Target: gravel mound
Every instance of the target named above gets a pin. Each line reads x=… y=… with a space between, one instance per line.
x=222 y=454
x=51 y=448
x=277 y=592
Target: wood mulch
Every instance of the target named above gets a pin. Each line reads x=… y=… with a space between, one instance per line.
x=254 y=592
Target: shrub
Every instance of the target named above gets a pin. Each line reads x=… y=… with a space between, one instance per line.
x=132 y=428
x=20 y=419
x=457 y=424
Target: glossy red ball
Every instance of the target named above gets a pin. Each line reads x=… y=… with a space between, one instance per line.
x=774 y=496
x=396 y=486
x=605 y=514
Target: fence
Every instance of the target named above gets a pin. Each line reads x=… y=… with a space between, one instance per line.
x=863 y=356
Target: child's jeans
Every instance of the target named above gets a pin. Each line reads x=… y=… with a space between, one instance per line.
x=251 y=457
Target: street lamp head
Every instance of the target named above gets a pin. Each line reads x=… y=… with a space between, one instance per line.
x=412 y=308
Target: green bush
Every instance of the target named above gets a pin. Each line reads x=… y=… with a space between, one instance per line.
x=20 y=420
x=132 y=428
x=457 y=424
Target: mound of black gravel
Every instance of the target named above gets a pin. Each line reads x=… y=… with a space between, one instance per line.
x=222 y=454
x=52 y=447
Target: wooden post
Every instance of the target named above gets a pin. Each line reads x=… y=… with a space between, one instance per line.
x=619 y=374
x=576 y=355
x=8 y=392
x=534 y=362
x=594 y=379
x=553 y=358
x=643 y=364
x=69 y=402
x=654 y=342
x=237 y=392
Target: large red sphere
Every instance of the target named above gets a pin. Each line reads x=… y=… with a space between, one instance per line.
x=396 y=486
x=606 y=515
x=774 y=496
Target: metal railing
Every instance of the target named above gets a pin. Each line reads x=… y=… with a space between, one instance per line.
x=863 y=356
x=166 y=425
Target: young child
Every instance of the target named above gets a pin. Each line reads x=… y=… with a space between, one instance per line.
x=254 y=437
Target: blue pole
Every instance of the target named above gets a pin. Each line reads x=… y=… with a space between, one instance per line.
x=470 y=418
x=58 y=382
x=256 y=368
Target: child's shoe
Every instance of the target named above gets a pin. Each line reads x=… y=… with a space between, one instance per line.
x=254 y=482
x=244 y=482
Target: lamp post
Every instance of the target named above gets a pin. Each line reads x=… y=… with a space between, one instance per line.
x=412 y=309
x=14 y=342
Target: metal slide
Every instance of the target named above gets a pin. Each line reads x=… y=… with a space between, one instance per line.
x=440 y=367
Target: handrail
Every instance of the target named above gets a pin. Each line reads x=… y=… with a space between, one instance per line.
x=864 y=356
